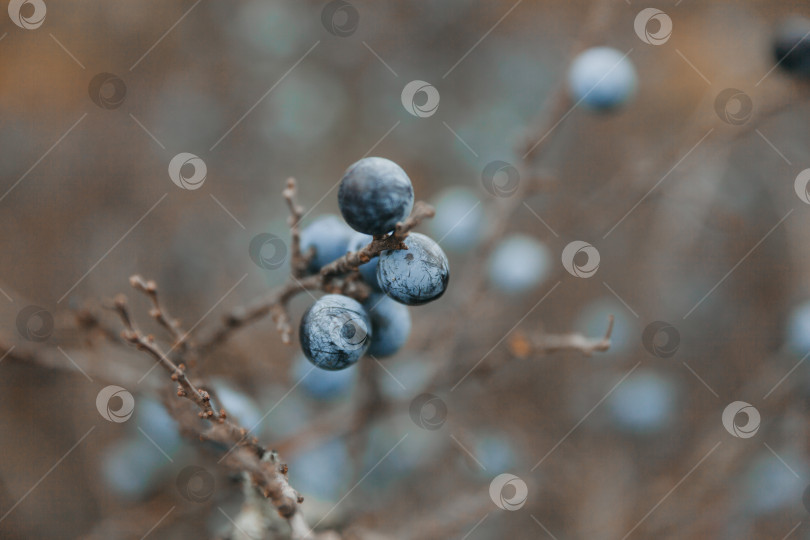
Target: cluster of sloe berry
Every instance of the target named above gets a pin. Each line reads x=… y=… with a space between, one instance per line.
x=374 y=195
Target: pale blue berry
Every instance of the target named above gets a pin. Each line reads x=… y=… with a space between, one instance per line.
x=390 y=325
x=602 y=78
x=519 y=263
x=329 y=236
x=644 y=402
x=459 y=220
x=321 y=384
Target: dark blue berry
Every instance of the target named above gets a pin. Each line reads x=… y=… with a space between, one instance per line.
x=791 y=47
x=329 y=236
x=375 y=194
x=415 y=275
x=335 y=332
x=390 y=325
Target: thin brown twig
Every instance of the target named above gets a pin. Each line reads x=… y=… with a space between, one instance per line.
x=523 y=346
x=266 y=471
x=299 y=261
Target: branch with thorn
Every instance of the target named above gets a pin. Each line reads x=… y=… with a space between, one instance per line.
x=523 y=346
x=264 y=467
x=340 y=276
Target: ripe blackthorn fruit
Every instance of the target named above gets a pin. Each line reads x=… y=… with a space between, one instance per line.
x=798 y=329
x=369 y=270
x=415 y=275
x=645 y=402
x=390 y=325
x=791 y=46
x=320 y=384
x=519 y=263
x=459 y=220
x=375 y=194
x=329 y=236
x=602 y=78
x=335 y=332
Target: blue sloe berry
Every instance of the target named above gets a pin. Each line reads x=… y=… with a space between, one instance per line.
x=644 y=403
x=602 y=78
x=329 y=235
x=322 y=472
x=369 y=270
x=415 y=275
x=237 y=404
x=375 y=194
x=335 y=332
x=519 y=263
x=320 y=384
x=390 y=325
x=459 y=220
x=791 y=47
x=798 y=329
x=131 y=467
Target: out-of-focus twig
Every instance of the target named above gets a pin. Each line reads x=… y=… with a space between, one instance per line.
x=523 y=346
x=264 y=466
